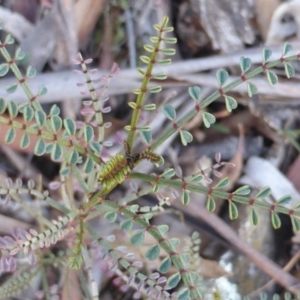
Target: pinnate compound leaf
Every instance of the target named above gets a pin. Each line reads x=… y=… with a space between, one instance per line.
x=210 y=204
x=11 y=88
x=88 y=165
x=263 y=193
x=251 y=89
x=254 y=219
x=40 y=147
x=56 y=152
x=296 y=223
x=10 y=135
x=286 y=48
x=153 y=252
x=222 y=76
x=185 y=198
x=272 y=77
x=195 y=92
x=111 y=216
x=275 y=220
x=126 y=225
x=230 y=103
x=173 y=280
x=289 y=70
x=138 y=238
x=185 y=137
x=3 y=69
x=184 y=294
x=146 y=136
x=70 y=126
x=165 y=265
x=284 y=200
x=266 y=54
x=243 y=190
x=233 y=211
x=25 y=140
x=245 y=64
x=169 y=111
x=2 y=106
x=208 y=119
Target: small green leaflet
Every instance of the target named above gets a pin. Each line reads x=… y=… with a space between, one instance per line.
x=195 y=92
x=169 y=112
x=222 y=77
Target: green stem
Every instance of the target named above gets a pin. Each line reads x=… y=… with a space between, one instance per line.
x=15 y=69
x=50 y=136
x=214 y=96
x=143 y=90
x=216 y=194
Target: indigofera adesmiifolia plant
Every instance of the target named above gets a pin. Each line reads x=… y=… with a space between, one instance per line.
x=81 y=148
